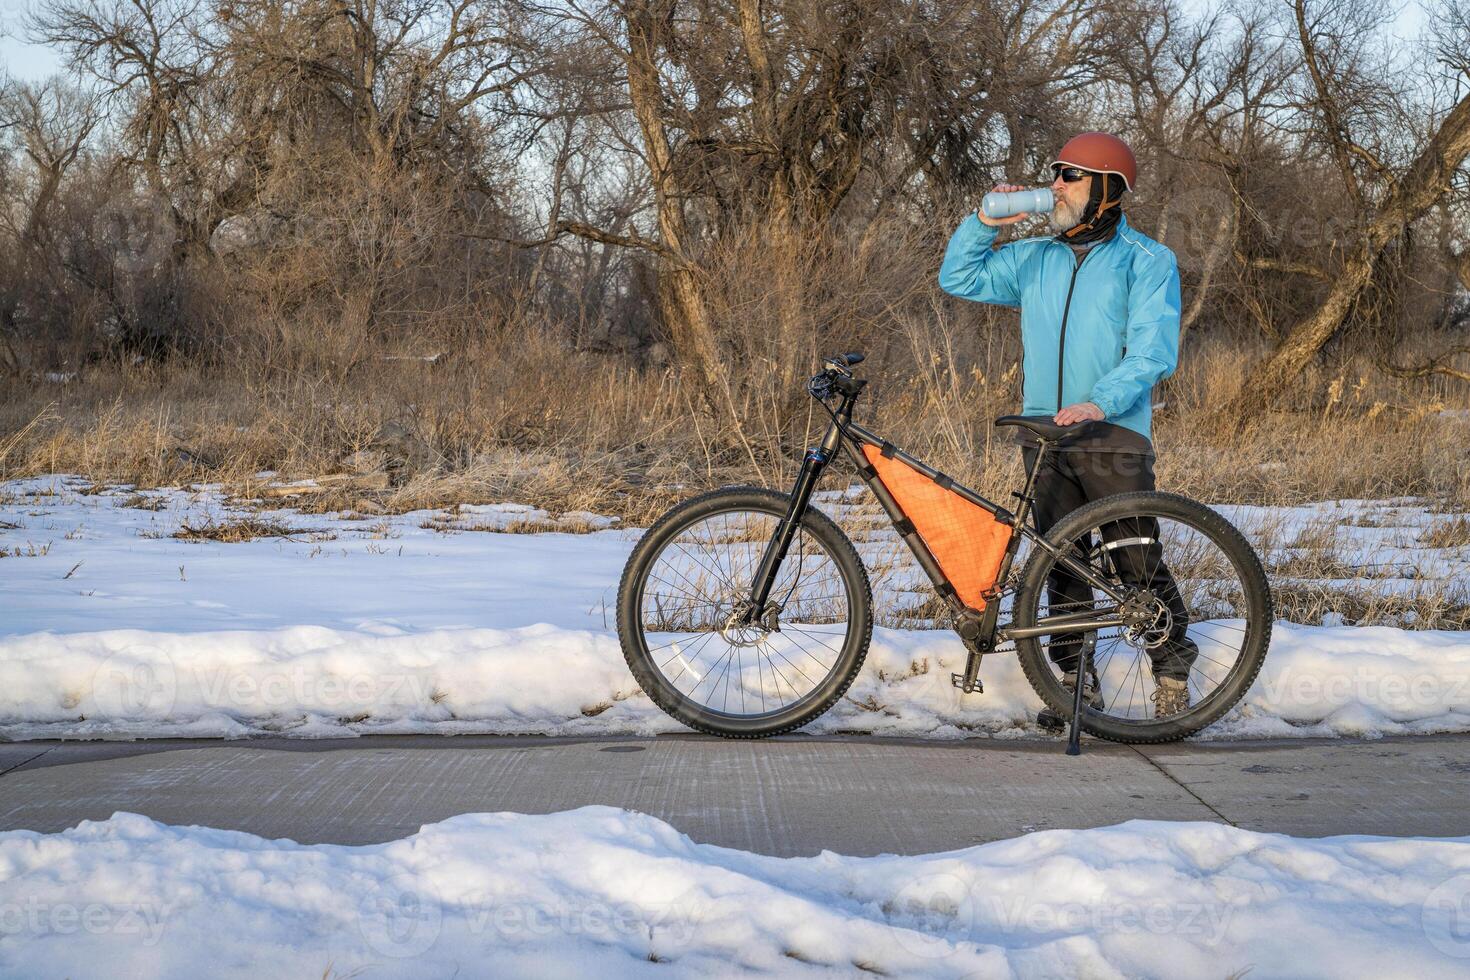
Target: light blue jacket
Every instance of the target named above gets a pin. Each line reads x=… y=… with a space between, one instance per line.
x=1103 y=331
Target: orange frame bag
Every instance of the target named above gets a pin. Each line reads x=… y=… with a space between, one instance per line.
x=966 y=540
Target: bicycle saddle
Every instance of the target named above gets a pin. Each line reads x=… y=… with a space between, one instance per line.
x=1044 y=428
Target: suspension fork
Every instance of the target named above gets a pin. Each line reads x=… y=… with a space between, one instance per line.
x=812 y=465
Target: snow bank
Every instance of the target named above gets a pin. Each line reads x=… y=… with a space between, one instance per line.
x=1357 y=680
x=313 y=681
x=413 y=623
x=618 y=893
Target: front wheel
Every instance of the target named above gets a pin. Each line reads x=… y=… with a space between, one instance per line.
x=687 y=629
x=1199 y=609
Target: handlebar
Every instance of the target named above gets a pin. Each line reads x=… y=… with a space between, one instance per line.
x=836 y=377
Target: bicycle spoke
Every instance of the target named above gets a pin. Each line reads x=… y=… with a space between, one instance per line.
x=725 y=657
x=804 y=650
x=793 y=667
x=1200 y=629
x=687 y=663
x=806 y=632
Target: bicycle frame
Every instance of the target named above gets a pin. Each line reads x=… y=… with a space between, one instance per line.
x=979 y=629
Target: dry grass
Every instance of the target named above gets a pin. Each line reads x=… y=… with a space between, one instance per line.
x=571 y=525
x=1318 y=535
x=1454 y=533
x=140 y=501
x=1429 y=606
x=247 y=528
x=1315 y=553
x=570 y=522
x=1311 y=565
x=587 y=432
x=516 y=415
x=29 y=550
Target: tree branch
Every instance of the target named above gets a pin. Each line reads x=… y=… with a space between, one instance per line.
x=582 y=230
x=1438 y=364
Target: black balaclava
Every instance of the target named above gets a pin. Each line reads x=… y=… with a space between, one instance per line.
x=1104 y=208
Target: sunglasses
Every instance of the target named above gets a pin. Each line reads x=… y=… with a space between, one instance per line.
x=1069 y=175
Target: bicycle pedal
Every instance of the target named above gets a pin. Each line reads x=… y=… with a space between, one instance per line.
x=958 y=680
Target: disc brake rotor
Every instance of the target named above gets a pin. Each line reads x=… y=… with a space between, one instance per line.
x=1151 y=621
x=740 y=629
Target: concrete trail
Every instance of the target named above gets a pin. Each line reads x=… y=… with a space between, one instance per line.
x=792 y=795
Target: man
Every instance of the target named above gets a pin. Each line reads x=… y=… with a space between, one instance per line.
x=1099 y=328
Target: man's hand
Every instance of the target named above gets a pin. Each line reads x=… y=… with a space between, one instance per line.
x=1002 y=222
x=1081 y=412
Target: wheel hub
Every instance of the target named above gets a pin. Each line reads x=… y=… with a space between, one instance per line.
x=1149 y=620
x=744 y=629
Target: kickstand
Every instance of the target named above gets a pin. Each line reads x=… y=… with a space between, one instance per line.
x=1084 y=667
x=1074 y=738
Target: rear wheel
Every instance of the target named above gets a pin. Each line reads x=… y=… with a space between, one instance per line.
x=1201 y=608
x=703 y=655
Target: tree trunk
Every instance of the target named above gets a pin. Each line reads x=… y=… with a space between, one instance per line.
x=681 y=294
x=1207 y=274
x=682 y=306
x=1426 y=180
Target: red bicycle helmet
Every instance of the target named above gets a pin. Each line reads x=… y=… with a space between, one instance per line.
x=1101 y=153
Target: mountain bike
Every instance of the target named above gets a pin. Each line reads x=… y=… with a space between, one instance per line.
x=746 y=612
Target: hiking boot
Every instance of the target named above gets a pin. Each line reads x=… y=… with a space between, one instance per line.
x=1051 y=721
x=1170 y=697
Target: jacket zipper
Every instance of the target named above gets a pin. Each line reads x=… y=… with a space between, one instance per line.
x=1067 y=308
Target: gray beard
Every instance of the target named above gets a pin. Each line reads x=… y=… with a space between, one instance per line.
x=1065 y=216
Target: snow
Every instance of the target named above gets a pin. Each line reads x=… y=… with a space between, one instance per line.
x=433 y=622
x=457 y=622
x=1382 y=539
x=623 y=894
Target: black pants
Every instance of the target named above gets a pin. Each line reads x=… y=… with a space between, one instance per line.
x=1068 y=480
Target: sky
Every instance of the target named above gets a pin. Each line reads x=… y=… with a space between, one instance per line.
x=21 y=60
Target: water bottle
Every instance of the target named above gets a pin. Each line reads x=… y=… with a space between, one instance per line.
x=1002 y=204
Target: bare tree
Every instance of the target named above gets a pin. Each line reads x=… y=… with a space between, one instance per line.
x=372 y=170
x=1349 y=102
x=779 y=112
x=51 y=124
x=147 y=57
